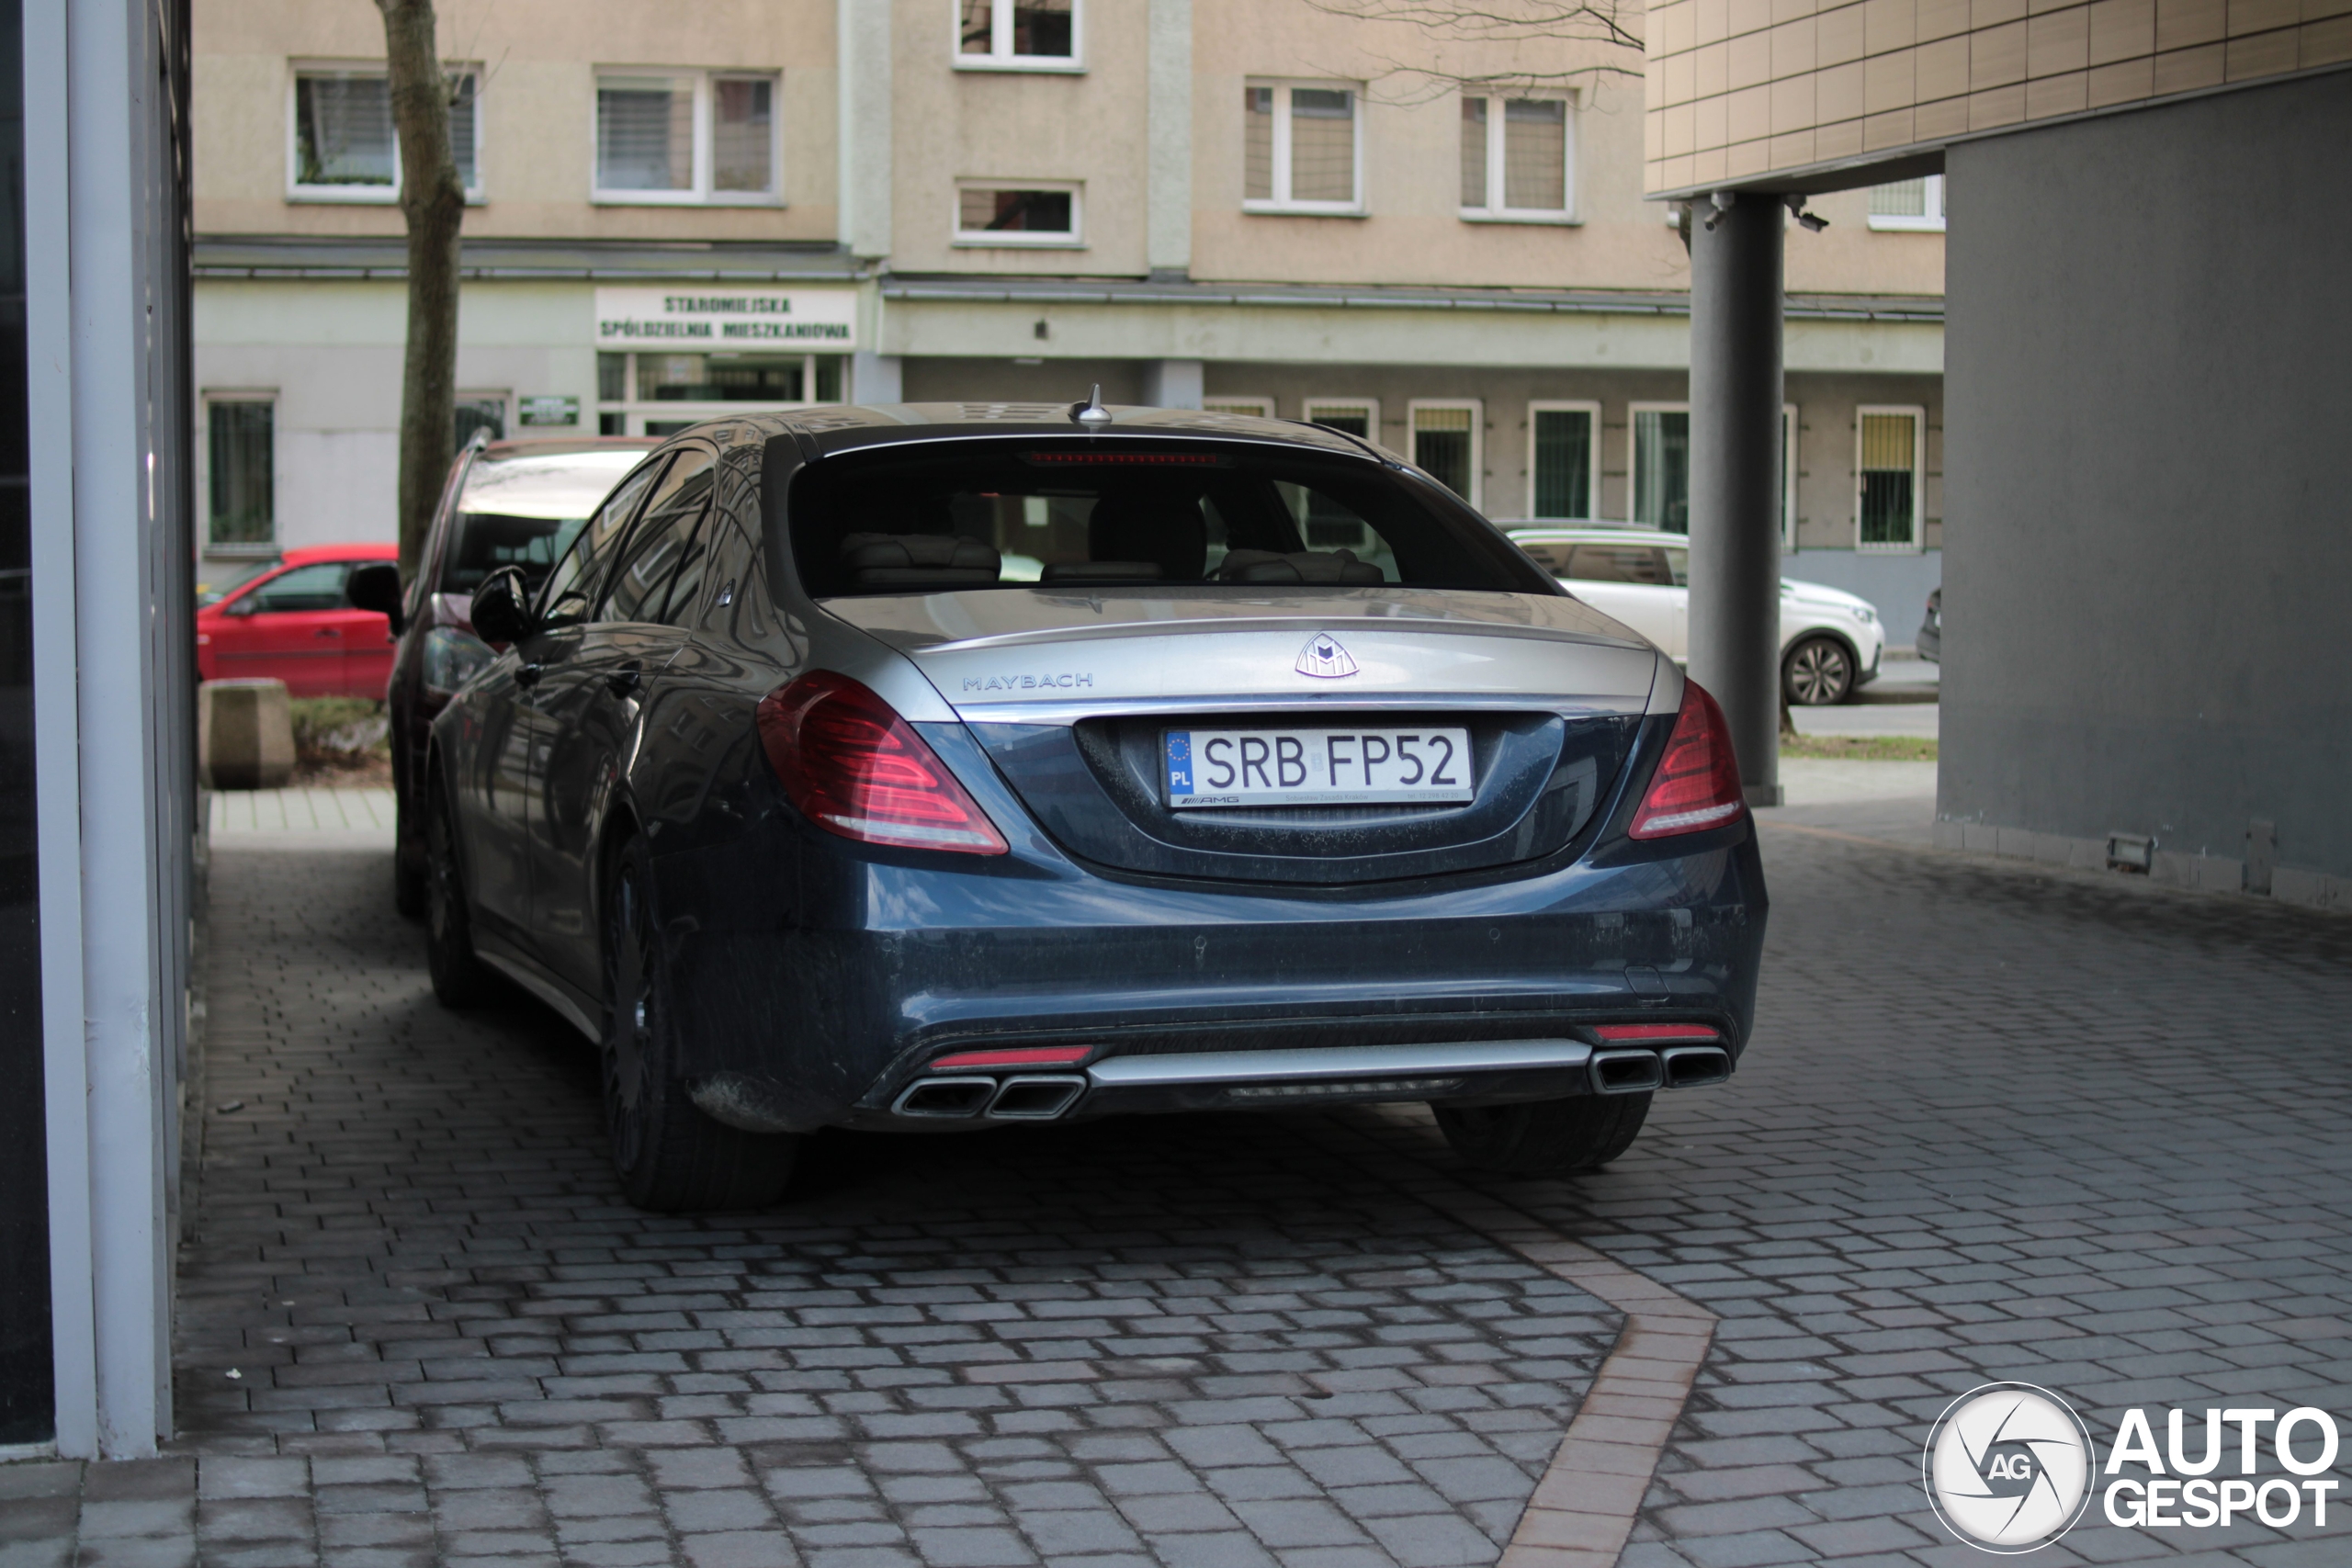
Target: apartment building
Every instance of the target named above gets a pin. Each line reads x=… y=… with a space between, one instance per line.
x=1255 y=204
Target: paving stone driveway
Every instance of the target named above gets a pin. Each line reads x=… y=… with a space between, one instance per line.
x=2000 y=1122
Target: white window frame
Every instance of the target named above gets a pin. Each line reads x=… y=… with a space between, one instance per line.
x=1000 y=56
x=210 y=397
x=700 y=194
x=1591 y=411
x=1931 y=223
x=1494 y=212
x=1918 y=542
x=1633 y=453
x=1416 y=407
x=364 y=195
x=1792 y=432
x=1281 y=202
x=634 y=411
x=1309 y=408
x=985 y=239
x=1219 y=402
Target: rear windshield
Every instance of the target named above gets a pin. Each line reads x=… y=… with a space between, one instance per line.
x=523 y=511
x=1106 y=512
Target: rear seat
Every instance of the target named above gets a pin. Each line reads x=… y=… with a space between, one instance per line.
x=1301 y=566
x=917 y=560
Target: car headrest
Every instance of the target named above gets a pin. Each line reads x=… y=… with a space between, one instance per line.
x=917 y=560
x=1102 y=571
x=1153 y=526
x=1302 y=566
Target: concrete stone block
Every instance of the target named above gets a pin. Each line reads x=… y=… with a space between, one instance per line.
x=245 y=734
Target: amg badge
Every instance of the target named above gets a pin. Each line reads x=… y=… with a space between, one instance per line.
x=1324 y=657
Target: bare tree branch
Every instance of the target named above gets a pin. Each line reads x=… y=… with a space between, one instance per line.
x=1613 y=24
x=433 y=200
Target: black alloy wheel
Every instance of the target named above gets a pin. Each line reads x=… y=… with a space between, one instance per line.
x=670 y=1156
x=1818 y=673
x=459 y=978
x=1545 y=1137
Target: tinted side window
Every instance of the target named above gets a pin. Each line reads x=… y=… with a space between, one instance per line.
x=1617 y=563
x=315 y=587
x=665 y=550
x=571 y=587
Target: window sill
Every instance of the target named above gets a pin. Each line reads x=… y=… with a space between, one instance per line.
x=242 y=552
x=1306 y=210
x=1009 y=243
x=679 y=198
x=369 y=196
x=1907 y=549
x=1885 y=225
x=1039 y=64
x=1553 y=220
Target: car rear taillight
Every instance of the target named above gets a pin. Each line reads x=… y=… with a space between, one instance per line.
x=1697 y=783
x=854 y=767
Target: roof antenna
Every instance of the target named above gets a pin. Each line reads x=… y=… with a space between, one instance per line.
x=1093 y=416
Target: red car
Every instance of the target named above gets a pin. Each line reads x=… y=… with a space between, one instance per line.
x=292 y=621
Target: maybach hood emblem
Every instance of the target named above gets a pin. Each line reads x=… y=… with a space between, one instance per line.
x=1325 y=658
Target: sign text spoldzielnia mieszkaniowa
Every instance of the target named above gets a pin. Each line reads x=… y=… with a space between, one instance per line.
x=2010 y=1467
x=717 y=318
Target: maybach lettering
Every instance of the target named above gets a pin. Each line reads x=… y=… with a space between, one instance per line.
x=1025 y=683
x=2303 y=1441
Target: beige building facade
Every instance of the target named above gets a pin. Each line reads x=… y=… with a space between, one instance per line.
x=676 y=212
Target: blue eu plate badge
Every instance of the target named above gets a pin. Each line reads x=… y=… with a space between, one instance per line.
x=1180 y=762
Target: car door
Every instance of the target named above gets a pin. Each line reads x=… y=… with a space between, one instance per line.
x=289 y=627
x=593 y=684
x=1628 y=582
x=497 y=806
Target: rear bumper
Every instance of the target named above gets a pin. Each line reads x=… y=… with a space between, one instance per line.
x=821 y=1004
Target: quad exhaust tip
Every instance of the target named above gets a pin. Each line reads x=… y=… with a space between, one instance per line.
x=1034 y=1098
x=1694 y=1066
x=1627 y=1072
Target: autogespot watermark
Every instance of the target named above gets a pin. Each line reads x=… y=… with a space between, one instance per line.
x=2010 y=1468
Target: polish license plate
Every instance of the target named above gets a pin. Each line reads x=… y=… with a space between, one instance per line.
x=1315 y=767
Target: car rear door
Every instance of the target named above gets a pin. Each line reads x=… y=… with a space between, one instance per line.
x=291 y=627
x=1628 y=582
x=593 y=684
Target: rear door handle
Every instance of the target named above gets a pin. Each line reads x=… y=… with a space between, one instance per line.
x=330 y=631
x=623 y=680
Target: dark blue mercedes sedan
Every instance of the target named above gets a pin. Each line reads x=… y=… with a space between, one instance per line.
x=934 y=768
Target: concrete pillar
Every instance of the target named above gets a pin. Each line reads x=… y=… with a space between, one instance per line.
x=1172 y=383
x=1168 y=206
x=1735 y=474
x=876 y=378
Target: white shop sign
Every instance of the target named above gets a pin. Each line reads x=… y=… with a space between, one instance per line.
x=717 y=316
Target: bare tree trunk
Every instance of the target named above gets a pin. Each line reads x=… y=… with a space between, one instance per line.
x=433 y=202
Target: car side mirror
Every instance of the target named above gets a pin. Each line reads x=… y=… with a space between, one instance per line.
x=501 y=608
x=376 y=586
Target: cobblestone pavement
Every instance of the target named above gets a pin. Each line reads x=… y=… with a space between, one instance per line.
x=1999 y=1122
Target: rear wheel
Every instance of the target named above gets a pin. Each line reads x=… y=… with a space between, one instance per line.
x=1818 y=673
x=670 y=1156
x=459 y=978
x=1545 y=1137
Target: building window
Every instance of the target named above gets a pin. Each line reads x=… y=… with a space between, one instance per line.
x=658 y=394
x=1909 y=204
x=1302 y=153
x=1563 y=459
x=1358 y=416
x=1661 y=466
x=1260 y=407
x=340 y=143
x=686 y=136
x=1446 y=443
x=240 y=463
x=1516 y=160
x=1889 y=489
x=1016 y=35
x=991 y=214
x=480 y=410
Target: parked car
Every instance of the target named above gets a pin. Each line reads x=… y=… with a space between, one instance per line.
x=506 y=504
x=1932 y=629
x=293 y=622
x=785 y=795
x=1830 y=641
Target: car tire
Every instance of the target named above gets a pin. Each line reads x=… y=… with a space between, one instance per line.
x=1545 y=1137
x=460 y=979
x=410 y=896
x=670 y=1156
x=1818 y=673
